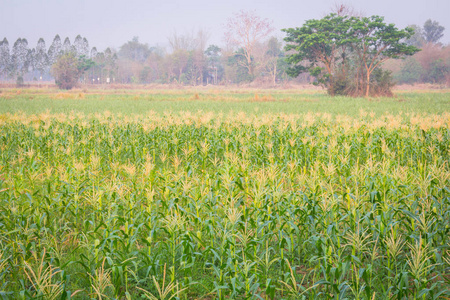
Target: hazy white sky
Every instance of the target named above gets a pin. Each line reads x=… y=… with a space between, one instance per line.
x=112 y=22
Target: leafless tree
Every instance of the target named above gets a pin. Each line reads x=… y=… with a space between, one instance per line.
x=245 y=30
x=186 y=47
x=343 y=9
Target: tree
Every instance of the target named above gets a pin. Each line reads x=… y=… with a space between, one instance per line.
x=78 y=45
x=321 y=48
x=274 y=58
x=342 y=52
x=40 y=57
x=5 y=58
x=134 y=50
x=55 y=50
x=187 y=57
x=31 y=59
x=432 y=31
x=417 y=38
x=84 y=47
x=66 y=71
x=186 y=42
x=94 y=52
x=110 y=62
x=245 y=30
x=156 y=71
x=179 y=60
x=215 y=68
x=235 y=70
x=199 y=62
x=66 y=47
x=375 y=42
x=20 y=59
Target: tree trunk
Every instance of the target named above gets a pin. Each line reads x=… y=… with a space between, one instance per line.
x=275 y=75
x=368 y=84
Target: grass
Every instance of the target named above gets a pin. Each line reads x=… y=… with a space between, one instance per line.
x=248 y=199
x=250 y=101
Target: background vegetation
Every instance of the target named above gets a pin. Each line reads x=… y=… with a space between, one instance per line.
x=256 y=57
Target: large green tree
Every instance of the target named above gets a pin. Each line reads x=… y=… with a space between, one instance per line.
x=342 y=52
x=374 y=41
x=320 y=48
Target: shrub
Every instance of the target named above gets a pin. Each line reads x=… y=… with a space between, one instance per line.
x=382 y=82
x=411 y=71
x=438 y=71
x=19 y=81
x=66 y=71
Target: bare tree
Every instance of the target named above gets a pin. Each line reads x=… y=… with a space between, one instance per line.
x=185 y=41
x=345 y=10
x=188 y=55
x=245 y=30
x=199 y=59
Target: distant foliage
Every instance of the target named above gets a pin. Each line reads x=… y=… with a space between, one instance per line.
x=430 y=65
x=22 y=61
x=253 y=54
x=432 y=31
x=411 y=71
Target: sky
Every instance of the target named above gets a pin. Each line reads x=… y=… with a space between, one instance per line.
x=111 y=23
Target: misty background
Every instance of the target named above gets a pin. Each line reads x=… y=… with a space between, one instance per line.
x=184 y=42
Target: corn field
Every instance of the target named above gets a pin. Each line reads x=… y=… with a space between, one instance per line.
x=224 y=206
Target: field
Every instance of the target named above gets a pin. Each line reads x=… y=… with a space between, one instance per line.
x=223 y=194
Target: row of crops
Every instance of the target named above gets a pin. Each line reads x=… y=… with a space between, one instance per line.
x=212 y=206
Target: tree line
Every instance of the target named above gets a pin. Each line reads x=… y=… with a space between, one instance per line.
x=21 y=60
x=345 y=53
x=431 y=64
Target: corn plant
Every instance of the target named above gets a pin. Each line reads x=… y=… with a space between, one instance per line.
x=228 y=206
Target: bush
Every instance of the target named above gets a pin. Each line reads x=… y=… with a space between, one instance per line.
x=438 y=71
x=340 y=86
x=66 y=71
x=381 y=83
x=411 y=71
x=19 y=81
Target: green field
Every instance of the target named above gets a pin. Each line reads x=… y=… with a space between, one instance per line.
x=224 y=194
x=250 y=101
